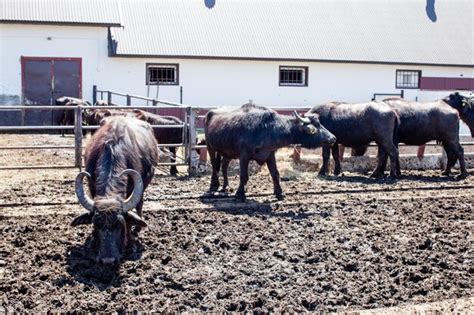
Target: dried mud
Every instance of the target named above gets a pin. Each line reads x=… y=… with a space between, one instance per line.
x=336 y=244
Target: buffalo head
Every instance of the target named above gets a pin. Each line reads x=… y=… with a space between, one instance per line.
x=311 y=134
x=465 y=106
x=111 y=217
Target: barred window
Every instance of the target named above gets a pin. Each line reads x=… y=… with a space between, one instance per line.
x=408 y=79
x=162 y=74
x=293 y=76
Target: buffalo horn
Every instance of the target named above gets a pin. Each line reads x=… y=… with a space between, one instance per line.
x=136 y=195
x=85 y=201
x=304 y=120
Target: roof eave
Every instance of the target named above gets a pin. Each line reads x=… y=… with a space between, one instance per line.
x=113 y=54
x=61 y=23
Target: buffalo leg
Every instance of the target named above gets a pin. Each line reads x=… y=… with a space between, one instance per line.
x=216 y=165
x=341 y=152
x=462 y=162
x=138 y=228
x=225 y=169
x=173 y=168
x=457 y=153
x=399 y=171
x=244 y=177
x=381 y=161
x=451 y=159
x=326 y=154
x=335 y=155
x=394 y=161
x=272 y=167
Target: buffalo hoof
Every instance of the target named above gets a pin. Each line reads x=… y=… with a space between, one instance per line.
x=337 y=171
x=174 y=173
x=225 y=190
x=376 y=175
x=393 y=178
x=446 y=173
x=462 y=176
x=323 y=175
x=240 y=198
x=280 y=196
x=208 y=194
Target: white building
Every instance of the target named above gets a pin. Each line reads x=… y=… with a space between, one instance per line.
x=277 y=53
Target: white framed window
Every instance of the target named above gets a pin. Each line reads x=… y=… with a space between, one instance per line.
x=408 y=79
x=162 y=74
x=293 y=76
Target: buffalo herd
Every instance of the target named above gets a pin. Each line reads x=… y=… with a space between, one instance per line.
x=121 y=155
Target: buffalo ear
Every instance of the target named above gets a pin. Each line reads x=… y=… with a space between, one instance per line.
x=85 y=218
x=133 y=219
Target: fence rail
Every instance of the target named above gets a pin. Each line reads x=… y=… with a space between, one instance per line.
x=78 y=129
x=189 y=131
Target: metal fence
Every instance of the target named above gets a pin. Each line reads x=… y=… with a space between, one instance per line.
x=192 y=123
x=188 y=128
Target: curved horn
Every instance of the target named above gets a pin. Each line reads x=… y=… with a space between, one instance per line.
x=85 y=200
x=304 y=120
x=136 y=195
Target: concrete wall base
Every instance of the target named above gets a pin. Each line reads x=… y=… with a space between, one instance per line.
x=363 y=164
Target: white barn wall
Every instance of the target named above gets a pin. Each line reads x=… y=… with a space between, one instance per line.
x=206 y=82
x=88 y=43
x=234 y=82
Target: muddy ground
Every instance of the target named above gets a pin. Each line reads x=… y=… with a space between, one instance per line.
x=336 y=244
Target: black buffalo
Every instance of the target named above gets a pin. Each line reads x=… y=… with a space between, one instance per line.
x=165 y=135
x=421 y=122
x=465 y=106
x=254 y=133
x=120 y=160
x=356 y=125
x=66 y=117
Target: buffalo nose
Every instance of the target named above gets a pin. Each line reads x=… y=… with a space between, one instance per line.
x=108 y=261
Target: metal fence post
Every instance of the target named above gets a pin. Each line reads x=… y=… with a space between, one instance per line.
x=94 y=94
x=78 y=136
x=191 y=141
x=109 y=97
x=129 y=100
x=181 y=95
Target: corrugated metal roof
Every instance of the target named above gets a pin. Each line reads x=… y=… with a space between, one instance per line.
x=380 y=31
x=83 y=12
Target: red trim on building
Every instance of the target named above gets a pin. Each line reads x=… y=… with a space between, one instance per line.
x=446 y=84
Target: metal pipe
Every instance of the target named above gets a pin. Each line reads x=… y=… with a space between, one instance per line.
x=33 y=107
x=171 y=164
x=172 y=145
x=94 y=94
x=92 y=127
x=36 y=128
x=78 y=137
x=34 y=167
x=32 y=147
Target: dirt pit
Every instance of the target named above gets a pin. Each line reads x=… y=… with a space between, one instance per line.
x=339 y=244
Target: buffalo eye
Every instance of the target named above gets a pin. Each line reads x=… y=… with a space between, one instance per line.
x=310 y=129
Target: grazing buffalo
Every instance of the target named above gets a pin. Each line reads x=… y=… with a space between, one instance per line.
x=421 y=122
x=120 y=160
x=165 y=135
x=254 y=133
x=356 y=125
